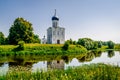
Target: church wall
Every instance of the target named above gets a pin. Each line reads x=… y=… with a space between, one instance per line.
x=54 y=34
x=58 y=33
x=49 y=35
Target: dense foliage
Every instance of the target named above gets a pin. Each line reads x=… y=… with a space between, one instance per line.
x=90 y=44
x=87 y=43
x=100 y=44
x=65 y=46
x=21 y=45
x=2 y=38
x=22 y=30
x=110 y=45
x=85 y=72
x=70 y=41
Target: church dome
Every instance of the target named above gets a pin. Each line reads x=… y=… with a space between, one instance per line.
x=55 y=18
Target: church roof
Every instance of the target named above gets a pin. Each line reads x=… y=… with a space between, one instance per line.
x=55 y=17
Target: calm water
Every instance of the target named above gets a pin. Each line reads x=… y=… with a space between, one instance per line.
x=44 y=63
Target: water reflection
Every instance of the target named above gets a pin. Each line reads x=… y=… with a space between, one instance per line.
x=4 y=69
x=97 y=54
x=17 y=67
x=75 y=62
x=114 y=60
x=90 y=56
x=41 y=66
x=87 y=57
x=65 y=58
x=48 y=65
x=111 y=53
x=56 y=64
x=34 y=63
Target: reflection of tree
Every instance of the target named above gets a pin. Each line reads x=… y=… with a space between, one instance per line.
x=65 y=58
x=19 y=64
x=87 y=57
x=18 y=60
x=111 y=53
x=97 y=53
x=1 y=64
x=82 y=59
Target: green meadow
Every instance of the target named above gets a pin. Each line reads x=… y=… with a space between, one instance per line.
x=41 y=49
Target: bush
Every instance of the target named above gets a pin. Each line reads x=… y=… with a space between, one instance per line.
x=21 y=45
x=110 y=45
x=65 y=46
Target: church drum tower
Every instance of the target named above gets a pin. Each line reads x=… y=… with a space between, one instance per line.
x=55 y=34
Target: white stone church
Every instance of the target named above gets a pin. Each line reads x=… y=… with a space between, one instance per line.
x=55 y=34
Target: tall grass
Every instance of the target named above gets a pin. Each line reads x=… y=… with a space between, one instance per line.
x=85 y=72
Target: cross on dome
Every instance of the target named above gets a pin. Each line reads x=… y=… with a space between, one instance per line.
x=55 y=17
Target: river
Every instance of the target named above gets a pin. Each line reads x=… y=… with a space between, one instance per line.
x=34 y=63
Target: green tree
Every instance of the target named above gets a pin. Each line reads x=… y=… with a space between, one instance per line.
x=99 y=44
x=105 y=43
x=110 y=44
x=70 y=41
x=21 y=45
x=2 y=38
x=65 y=46
x=86 y=42
x=95 y=45
x=111 y=53
x=21 y=30
x=36 y=39
x=74 y=42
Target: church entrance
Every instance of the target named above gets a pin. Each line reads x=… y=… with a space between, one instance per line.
x=58 y=41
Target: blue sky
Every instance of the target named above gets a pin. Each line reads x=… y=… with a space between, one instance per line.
x=96 y=19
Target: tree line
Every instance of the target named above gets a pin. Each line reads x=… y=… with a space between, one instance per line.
x=22 y=30
x=90 y=44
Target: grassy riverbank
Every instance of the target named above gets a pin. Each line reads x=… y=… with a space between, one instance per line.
x=41 y=49
x=48 y=49
x=85 y=72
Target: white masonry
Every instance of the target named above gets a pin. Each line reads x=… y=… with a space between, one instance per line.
x=55 y=34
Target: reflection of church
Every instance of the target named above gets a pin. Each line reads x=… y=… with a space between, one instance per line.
x=28 y=66
x=56 y=64
x=55 y=34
